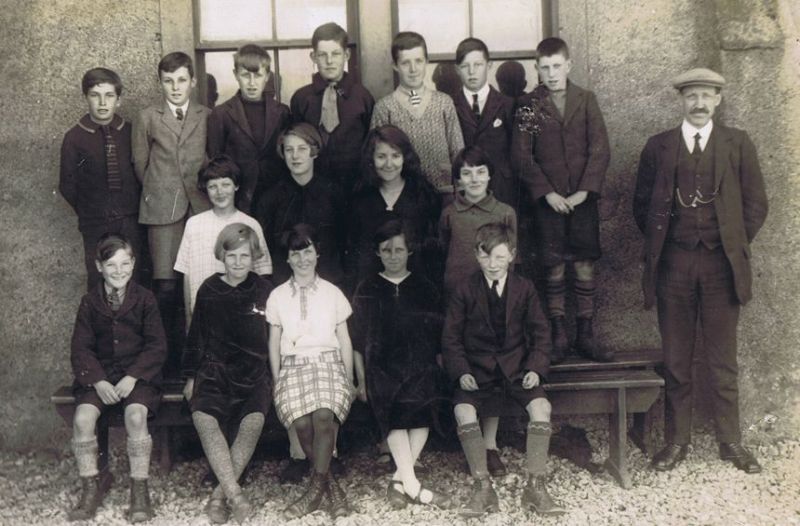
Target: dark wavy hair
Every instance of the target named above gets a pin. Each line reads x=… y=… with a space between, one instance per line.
x=396 y=138
x=392 y=228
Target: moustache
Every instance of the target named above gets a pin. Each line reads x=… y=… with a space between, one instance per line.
x=699 y=111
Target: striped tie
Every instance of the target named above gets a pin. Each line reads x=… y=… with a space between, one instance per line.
x=114 y=300
x=415 y=99
x=179 y=114
x=112 y=164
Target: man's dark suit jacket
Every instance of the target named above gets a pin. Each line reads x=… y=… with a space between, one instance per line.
x=469 y=345
x=229 y=133
x=569 y=153
x=492 y=133
x=741 y=204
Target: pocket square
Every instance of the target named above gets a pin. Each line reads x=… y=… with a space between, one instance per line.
x=497 y=123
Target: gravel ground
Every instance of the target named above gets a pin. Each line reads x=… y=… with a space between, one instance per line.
x=36 y=488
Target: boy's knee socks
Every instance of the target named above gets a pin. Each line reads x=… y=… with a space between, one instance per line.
x=139 y=450
x=474 y=449
x=86 y=457
x=538 y=443
x=556 y=292
x=584 y=298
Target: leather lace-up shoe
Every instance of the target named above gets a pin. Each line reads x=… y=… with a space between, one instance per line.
x=482 y=500
x=495 y=463
x=93 y=490
x=741 y=457
x=670 y=456
x=536 y=498
x=140 y=508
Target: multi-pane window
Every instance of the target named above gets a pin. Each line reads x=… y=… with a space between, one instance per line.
x=510 y=28
x=283 y=27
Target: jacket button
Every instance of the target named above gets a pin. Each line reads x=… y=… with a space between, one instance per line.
x=659 y=227
x=116 y=342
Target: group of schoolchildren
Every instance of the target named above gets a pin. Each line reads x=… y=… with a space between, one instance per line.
x=270 y=216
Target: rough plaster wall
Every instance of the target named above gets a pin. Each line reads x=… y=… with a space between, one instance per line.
x=628 y=52
x=47 y=46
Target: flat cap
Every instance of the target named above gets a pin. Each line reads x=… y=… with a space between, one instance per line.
x=698 y=77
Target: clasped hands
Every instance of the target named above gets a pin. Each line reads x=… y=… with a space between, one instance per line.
x=111 y=394
x=468 y=382
x=565 y=205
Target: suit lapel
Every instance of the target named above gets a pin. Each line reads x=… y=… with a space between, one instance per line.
x=542 y=94
x=479 y=291
x=464 y=111
x=270 y=120
x=192 y=119
x=490 y=110
x=238 y=116
x=169 y=120
x=721 y=149
x=129 y=301
x=670 y=145
x=574 y=99
x=512 y=295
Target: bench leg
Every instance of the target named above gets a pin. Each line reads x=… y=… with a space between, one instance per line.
x=165 y=446
x=616 y=464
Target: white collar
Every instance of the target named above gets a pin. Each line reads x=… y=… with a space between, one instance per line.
x=501 y=283
x=482 y=93
x=688 y=132
x=184 y=107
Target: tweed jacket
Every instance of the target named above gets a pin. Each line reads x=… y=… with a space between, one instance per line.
x=229 y=133
x=740 y=205
x=167 y=156
x=469 y=344
x=569 y=153
x=492 y=133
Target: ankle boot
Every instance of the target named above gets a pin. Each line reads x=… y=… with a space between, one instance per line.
x=482 y=500
x=560 y=340
x=536 y=498
x=93 y=490
x=586 y=344
x=140 y=509
x=337 y=499
x=309 y=501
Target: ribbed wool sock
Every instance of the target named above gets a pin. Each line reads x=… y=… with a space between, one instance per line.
x=474 y=449
x=584 y=298
x=537 y=445
x=139 y=450
x=86 y=457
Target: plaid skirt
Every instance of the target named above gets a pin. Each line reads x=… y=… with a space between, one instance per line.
x=307 y=384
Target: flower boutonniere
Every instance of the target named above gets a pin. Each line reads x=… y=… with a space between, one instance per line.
x=530 y=118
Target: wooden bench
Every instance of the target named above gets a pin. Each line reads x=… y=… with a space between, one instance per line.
x=629 y=384
x=172 y=413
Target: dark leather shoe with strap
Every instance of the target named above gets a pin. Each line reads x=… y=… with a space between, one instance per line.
x=482 y=500
x=670 y=456
x=741 y=457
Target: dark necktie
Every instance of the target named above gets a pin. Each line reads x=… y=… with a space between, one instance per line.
x=113 y=300
x=179 y=114
x=697 y=150
x=112 y=164
x=495 y=289
x=330 y=112
x=476 y=109
x=415 y=99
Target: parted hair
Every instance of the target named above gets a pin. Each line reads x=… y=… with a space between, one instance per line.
x=491 y=235
x=468 y=45
x=393 y=228
x=109 y=243
x=172 y=61
x=406 y=40
x=234 y=236
x=330 y=31
x=306 y=132
x=219 y=167
x=251 y=57
x=471 y=156
x=96 y=76
x=552 y=46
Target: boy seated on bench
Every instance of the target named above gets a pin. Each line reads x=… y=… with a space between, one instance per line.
x=496 y=344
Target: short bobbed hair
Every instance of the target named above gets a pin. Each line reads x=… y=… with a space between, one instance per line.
x=301 y=236
x=174 y=61
x=109 y=243
x=471 y=156
x=304 y=131
x=219 y=167
x=468 y=45
x=96 y=76
x=330 y=31
x=234 y=236
x=396 y=138
x=251 y=57
x=492 y=235
x=393 y=228
x=406 y=40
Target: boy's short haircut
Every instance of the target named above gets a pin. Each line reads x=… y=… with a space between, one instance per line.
x=219 y=167
x=301 y=236
x=251 y=57
x=492 y=235
x=471 y=156
x=468 y=45
x=306 y=132
x=330 y=31
x=392 y=228
x=406 y=40
x=552 y=46
x=234 y=236
x=174 y=61
x=109 y=243
x=96 y=76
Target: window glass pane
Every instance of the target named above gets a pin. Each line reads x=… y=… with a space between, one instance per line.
x=299 y=18
x=508 y=25
x=443 y=23
x=296 y=69
x=220 y=64
x=235 y=20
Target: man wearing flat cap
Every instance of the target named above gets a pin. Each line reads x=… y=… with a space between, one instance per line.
x=699 y=201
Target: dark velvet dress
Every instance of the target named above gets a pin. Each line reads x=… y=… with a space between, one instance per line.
x=418 y=206
x=227 y=349
x=398 y=330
